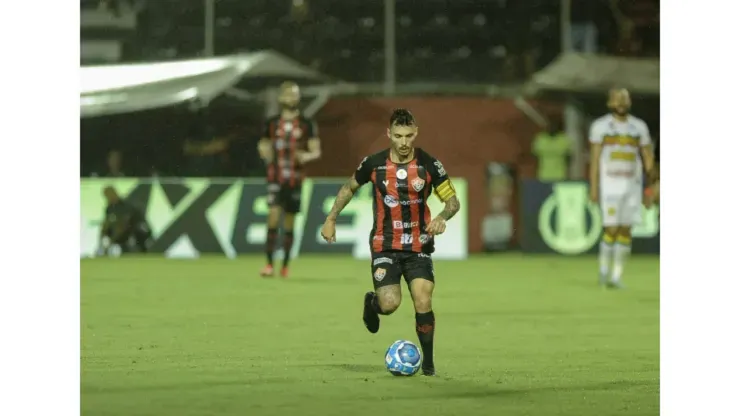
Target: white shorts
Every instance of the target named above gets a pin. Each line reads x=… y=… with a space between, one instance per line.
x=621 y=203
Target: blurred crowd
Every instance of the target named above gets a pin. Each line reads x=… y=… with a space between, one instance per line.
x=438 y=41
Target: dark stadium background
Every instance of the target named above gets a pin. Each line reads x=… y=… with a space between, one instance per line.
x=522 y=328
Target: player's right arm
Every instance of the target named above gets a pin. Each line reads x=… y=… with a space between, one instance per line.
x=595 y=138
x=345 y=194
x=264 y=146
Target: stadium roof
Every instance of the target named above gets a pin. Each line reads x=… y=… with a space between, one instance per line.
x=112 y=89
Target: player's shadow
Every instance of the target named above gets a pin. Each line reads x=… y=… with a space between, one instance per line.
x=354 y=368
x=454 y=389
x=319 y=281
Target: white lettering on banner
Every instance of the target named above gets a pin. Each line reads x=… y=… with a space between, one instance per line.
x=407 y=239
x=390 y=201
x=221 y=214
x=381 y=260
x=398 y=225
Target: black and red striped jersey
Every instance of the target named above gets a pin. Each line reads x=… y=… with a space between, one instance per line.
x=288 y=136
x=400 y=194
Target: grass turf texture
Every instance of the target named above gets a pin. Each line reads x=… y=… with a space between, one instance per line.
x=516 y=335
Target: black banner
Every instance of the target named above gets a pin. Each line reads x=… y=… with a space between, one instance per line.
x=559 y=218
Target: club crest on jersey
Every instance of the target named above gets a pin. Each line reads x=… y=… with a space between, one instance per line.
x=385 y=183
x=418 y=184
x=379 y=274
x=401 y=174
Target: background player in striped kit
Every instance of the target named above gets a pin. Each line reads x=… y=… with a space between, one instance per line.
x=289 y=141
x=620 y=147
x=402 y=237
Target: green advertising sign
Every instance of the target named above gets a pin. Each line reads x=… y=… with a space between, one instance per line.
x=194 y=215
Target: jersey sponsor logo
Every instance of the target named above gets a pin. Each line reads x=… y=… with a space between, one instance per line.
x=402 y=174
x=629 y=173
x=381 y=260
x=621 y=140
x=418 y=184
x=623 y=156
x=378 y=238
x=411 y=201
x=390 y=201
x=399 y=225
x=440 y=169
x=379 y=274
x=407 y=239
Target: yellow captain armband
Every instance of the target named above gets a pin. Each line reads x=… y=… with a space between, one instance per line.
x=445 y=190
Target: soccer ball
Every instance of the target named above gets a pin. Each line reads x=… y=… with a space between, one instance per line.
x=403 y=358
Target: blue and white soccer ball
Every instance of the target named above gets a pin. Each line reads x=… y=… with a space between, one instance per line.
x=403 y=358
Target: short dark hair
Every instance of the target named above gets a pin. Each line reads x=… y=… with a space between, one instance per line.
x=402 y=117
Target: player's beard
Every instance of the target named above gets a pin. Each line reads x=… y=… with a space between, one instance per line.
x=289 y=107
x=404 y=154
x=621 y=112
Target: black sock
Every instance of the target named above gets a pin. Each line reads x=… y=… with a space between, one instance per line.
x=425 y=332
x=287 y=245
x=270 y=244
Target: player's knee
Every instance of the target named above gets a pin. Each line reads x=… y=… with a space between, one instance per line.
x=388 y=304
x=273 y=217
x=423 y=304
x=289 y=221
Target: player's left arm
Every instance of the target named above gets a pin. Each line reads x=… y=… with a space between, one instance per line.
x=646 y=152
x=313 y=145
x=445 y=191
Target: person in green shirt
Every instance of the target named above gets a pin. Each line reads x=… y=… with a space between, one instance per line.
x=553 y=149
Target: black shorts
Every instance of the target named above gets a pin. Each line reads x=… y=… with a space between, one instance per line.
x=388 y=266
x=284 y=196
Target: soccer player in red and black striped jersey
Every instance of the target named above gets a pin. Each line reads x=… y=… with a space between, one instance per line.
x=289 y=141
x=402 y=238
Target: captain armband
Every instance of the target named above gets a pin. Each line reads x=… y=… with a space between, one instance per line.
x=445 y=190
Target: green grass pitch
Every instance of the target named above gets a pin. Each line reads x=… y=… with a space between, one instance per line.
x=516 y=335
